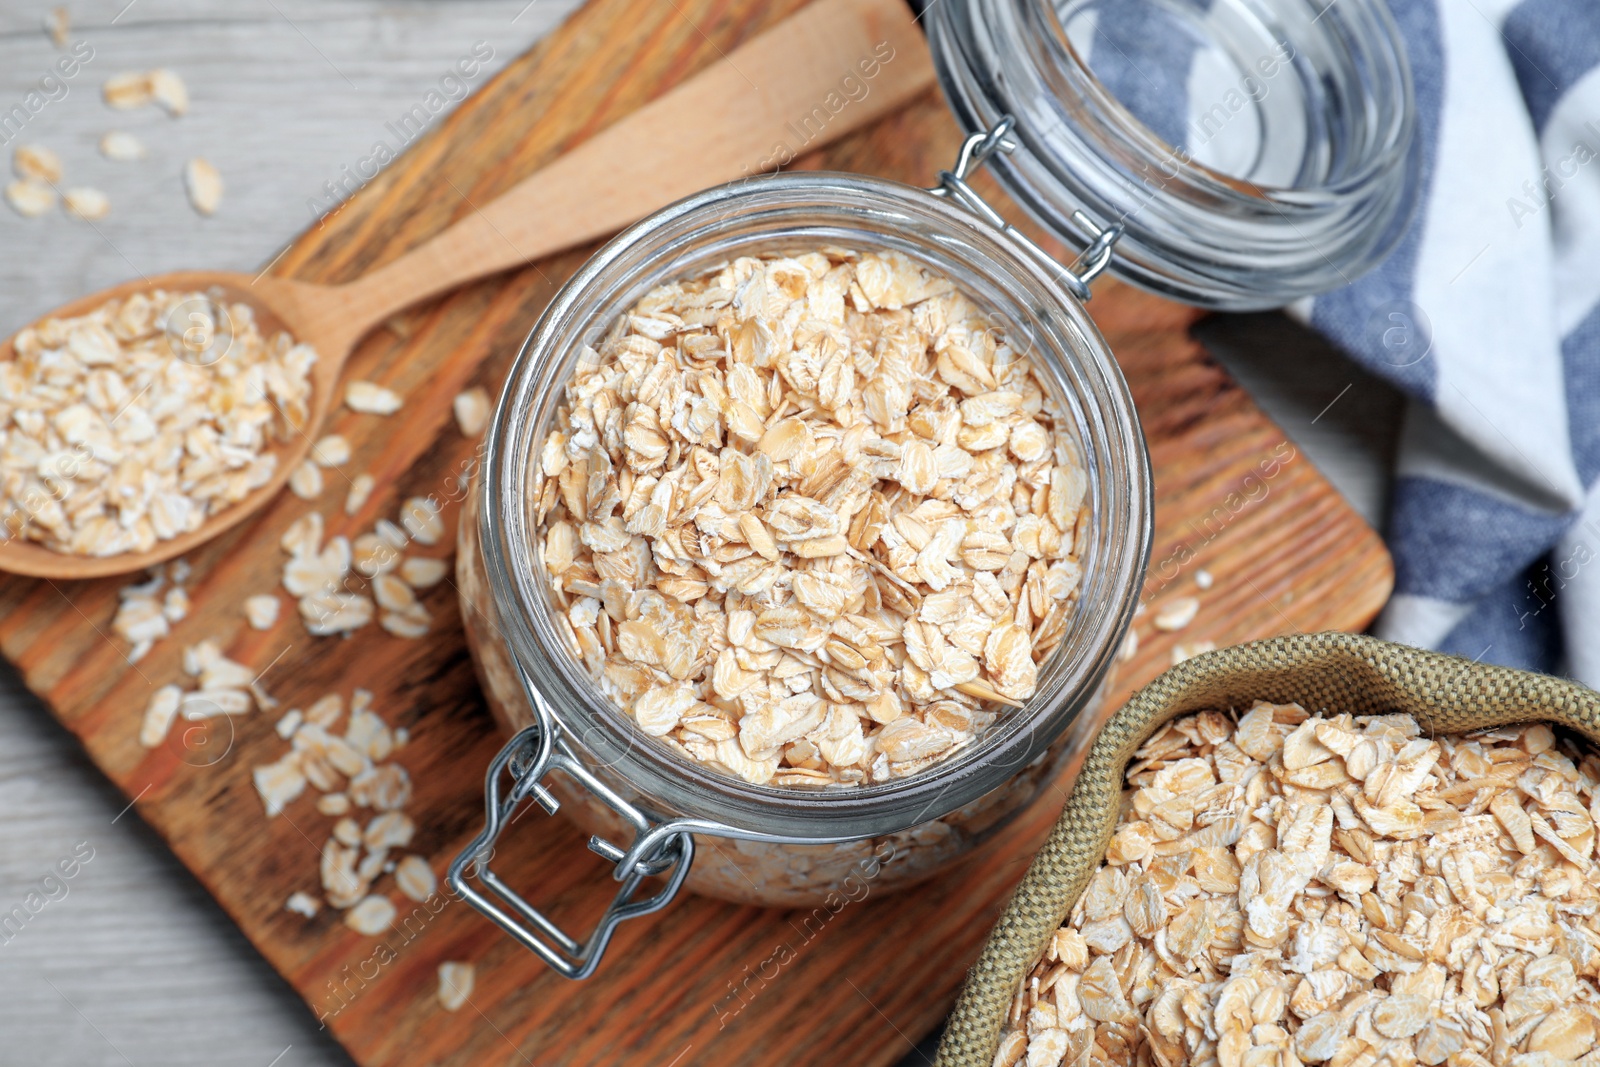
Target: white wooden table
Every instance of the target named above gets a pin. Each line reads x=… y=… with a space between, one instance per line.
x=134 y=964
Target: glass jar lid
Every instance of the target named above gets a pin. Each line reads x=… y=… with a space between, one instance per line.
x=1251 y=151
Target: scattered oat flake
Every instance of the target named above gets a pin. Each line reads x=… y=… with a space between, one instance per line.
x=419 y=515
x=422 y=573
x=1203 y=579
x=201 y=656
x=341 y=880
x=371 y=555
x=279 y=782
x=415 y=878
x=326 y=614
x=347 y=832
x=1181 y=652
x=88 y=204
x=144 y=616
x=261 y=611
x=169 y=90
x=393 y=594
x=204 y=184
x=333 y=804
x=1176 y=614
x=392 y=829
x=121 y=147
x=472 y=409
x=371 y=398
x=36 y=163
x=159 y=715
x=30 y=199
x=203 y=704
x=175 y=605
x=332 y=450
x=305 y=481
x=455 y=984
x=372 y=916
x=404 y=624
x=128 y=90
x=302 y=903
x=390 y=534
x=58 y=24
x=360 y=490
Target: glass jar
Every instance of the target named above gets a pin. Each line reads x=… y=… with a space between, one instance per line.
x=787 y=845
x=1169 y=220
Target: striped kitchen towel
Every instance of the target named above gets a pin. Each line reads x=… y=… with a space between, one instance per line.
x=1487 y=315
x=1494 y=303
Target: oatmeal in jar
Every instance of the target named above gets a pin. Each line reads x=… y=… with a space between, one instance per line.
x=812 y=520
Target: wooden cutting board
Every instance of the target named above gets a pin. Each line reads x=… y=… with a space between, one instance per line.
x=703 y=982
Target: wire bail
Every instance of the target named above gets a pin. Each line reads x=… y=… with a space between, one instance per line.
x=975 y=151
x=660 y=848
x=527 y=759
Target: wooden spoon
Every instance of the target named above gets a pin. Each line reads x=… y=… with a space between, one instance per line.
x=713 y=128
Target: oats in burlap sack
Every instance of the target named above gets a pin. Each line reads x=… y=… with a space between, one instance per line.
x=1292 y=889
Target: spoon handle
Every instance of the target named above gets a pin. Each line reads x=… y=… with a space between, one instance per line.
x=831 y=68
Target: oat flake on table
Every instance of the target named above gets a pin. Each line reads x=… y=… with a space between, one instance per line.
x=455 y=984
x=321 y=574
x=361 y=487
x=203 y=182
x=58 y=24
x=371 y=398
x=167 y=88
x=30 y=198
x=349 y=760
x=149 y=608
x=371 y=916
x=811 y=519
x=121 y=147
x=128 y=90
x=86 y=203
x=472 y=409
x=37 y=163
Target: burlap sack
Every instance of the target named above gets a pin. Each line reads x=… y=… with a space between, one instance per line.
x=1328 y=673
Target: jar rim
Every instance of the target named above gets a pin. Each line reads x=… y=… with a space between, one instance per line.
x=662 y=247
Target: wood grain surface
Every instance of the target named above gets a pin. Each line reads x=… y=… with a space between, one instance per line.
x=1233 y=498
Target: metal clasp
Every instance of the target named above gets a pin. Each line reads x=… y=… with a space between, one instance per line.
x=527 y=759
x=975 y=150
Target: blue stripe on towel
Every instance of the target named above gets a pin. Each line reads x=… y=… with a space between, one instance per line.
x=1580 y=356
x=1452 y=543
x=1355 y=317
x=1552 y=44
x=1516 y=625
x=1141 y=56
